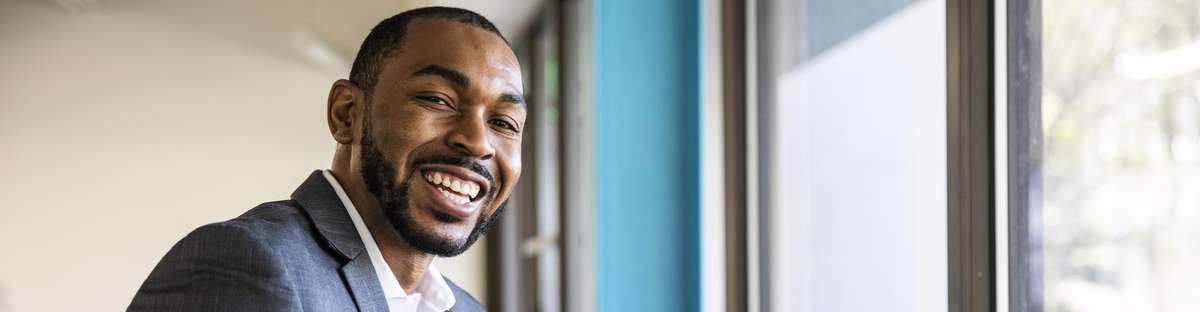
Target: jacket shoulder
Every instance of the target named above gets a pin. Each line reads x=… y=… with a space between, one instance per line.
x=463 y=301
x=272 y=214
x=234 y=263
x=227 y=264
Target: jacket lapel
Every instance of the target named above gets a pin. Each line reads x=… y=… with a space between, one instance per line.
x=323 y=206
x=329 y=216
x=364 y=285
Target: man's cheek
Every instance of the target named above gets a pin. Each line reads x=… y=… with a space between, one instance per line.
x=513 y=167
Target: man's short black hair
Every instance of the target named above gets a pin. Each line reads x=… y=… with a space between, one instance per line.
x=386 y=38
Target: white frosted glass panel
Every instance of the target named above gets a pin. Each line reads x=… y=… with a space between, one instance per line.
x=858 y=172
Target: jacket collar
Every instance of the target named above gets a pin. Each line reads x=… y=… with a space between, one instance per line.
x=318 y=199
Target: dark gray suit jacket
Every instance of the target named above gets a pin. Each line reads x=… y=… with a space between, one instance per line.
x=302 y=254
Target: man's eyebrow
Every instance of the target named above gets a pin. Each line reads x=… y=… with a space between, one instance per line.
x=513 y=98
x=449 y=74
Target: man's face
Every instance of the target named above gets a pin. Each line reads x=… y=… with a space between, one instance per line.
x=440 y=145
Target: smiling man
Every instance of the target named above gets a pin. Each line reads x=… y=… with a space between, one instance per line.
x=428 y=131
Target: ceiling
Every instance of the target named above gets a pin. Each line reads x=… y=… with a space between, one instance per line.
x=303 y=27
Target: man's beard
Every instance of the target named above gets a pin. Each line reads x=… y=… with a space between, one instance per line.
x=379 y=176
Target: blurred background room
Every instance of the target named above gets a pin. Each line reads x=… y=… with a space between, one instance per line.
x=679 y=155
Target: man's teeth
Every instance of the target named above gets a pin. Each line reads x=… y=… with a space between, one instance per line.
x=463 y=191
x=455 y=197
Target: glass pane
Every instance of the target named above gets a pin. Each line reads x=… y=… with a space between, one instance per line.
x=856 y=142
x=1122 y=155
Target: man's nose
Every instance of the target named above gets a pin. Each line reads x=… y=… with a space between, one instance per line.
x=470 y=137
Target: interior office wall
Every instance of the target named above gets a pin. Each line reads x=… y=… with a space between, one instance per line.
x=121 y=132
x=858 y=170
x=646 y=64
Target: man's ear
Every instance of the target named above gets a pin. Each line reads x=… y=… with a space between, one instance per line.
x=343 y=112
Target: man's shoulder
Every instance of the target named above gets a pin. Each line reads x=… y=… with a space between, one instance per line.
x=226 y=264
x=277 y=229
x=279 y=224
x=264 y=225
x=272 y=217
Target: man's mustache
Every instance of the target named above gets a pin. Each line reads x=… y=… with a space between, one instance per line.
x=468 y=163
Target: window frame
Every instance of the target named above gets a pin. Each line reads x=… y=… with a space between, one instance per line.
x=975 y=172
x=970 y=155
x=1023 y=23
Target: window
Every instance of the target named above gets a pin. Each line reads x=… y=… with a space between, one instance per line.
x=1112 y=200
x=1120 y=116
x=854 y=146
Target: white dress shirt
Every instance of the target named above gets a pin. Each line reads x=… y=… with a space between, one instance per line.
x=432 y=293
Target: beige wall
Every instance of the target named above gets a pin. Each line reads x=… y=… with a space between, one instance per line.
x=123 y=131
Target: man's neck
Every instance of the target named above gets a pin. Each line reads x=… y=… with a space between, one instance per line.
x=406 y=262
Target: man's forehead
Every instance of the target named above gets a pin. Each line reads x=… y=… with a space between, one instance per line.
x=451 y=39
x=476 y=53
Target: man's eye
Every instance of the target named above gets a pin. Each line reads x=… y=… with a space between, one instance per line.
x=504 y=124
x=434 y=100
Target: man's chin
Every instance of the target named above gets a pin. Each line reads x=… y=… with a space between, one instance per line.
x=431 y=221
x=433 y=236
x=455 y=234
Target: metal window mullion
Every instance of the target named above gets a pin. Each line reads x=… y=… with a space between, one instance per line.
x=970 y=159
x=1024 y=50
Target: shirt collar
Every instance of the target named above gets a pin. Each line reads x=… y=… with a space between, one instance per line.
x=432 y=292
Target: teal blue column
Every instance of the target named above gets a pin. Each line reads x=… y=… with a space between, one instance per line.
x=647 y=111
